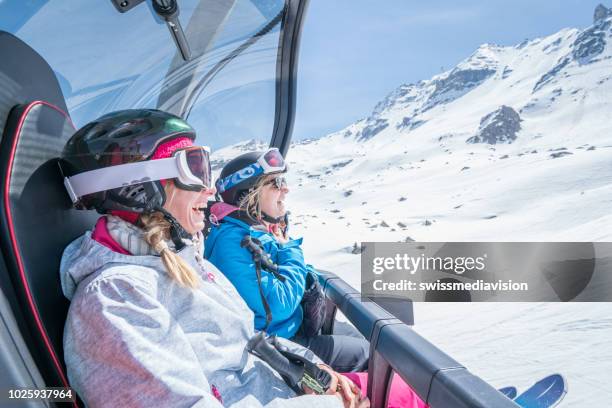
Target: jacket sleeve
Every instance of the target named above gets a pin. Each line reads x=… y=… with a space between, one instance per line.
x=123 y=348
x=237 y=264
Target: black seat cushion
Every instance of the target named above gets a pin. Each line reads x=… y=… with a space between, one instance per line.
x=37 y=223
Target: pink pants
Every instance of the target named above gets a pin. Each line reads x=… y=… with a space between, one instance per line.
x=400 y=394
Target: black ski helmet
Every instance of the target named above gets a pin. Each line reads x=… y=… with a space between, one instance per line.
x=235 y=194
x=122 y=137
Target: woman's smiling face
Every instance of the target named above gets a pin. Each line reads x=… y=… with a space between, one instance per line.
x=272 y=198
x=186 y=206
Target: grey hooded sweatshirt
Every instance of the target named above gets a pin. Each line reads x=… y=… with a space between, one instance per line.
x=135 y=338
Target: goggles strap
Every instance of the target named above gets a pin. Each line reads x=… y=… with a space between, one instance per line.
x=121 y=175
x=238 y=177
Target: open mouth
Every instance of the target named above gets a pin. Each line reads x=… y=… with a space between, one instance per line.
x=199 y=207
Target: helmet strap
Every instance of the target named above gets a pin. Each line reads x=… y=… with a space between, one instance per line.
x=270 y=219
x=177 y=232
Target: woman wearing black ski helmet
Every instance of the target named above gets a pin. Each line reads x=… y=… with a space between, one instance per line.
x=101 y=160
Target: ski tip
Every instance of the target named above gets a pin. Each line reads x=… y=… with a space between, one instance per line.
x=546 y=393
x=509 y=392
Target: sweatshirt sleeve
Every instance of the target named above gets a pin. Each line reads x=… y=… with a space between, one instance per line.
x=237 y=264
x=123 y=348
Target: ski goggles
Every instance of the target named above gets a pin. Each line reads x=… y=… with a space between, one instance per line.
x=189 y=167
x=271 y=161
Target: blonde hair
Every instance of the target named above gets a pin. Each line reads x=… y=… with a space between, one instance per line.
x=156 y=232
x=250 y=202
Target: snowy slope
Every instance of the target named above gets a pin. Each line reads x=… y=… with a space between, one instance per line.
x=411 y=170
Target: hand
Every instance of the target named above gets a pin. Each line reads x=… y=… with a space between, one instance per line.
x=345 y=389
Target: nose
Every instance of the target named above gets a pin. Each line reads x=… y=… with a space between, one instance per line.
x=209 y=191
x=285 y=189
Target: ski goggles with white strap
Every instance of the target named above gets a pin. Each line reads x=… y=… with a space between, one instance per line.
x=271 y=161
x=189 y=167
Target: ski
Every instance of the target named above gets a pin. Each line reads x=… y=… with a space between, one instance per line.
x=546 y=393
x=509 y=392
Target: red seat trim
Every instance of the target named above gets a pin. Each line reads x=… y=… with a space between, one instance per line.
x=11 y=229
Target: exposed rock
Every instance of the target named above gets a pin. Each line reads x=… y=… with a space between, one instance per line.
x=341 y=164
x=409 y=123
x=357 y=249
x=591 y=148
x=384 y=224
x=401 y=225
x=402 y=199
x=550 y=75
x=556 y=155
x=506 y=73
x=489 y=217
x=552 y=46
x=505 y=156
x=334 y=211
x=601 y=13
x=465 y=168
x=348 y=193
x=591 y=42
x=500 y=126
x=373 y=127
x=427 y=223
x=456 y=84
x=408 y=239
x=403 y=94
x=251 y=145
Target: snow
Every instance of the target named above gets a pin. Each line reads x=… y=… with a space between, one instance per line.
x=553 y=183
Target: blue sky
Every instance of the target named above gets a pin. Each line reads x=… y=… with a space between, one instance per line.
x=354 y=52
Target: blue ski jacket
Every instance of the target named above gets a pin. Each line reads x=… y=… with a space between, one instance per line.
x=223 y=250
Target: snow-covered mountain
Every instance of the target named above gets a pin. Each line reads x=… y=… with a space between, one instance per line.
x=512 y=144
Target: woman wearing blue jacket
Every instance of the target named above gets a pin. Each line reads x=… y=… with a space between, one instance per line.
x=253 y=191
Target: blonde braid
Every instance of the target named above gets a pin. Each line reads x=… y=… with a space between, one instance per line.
x=156 y=232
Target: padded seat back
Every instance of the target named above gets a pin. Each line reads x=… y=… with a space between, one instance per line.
x=37 y=224
x=36 y=216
